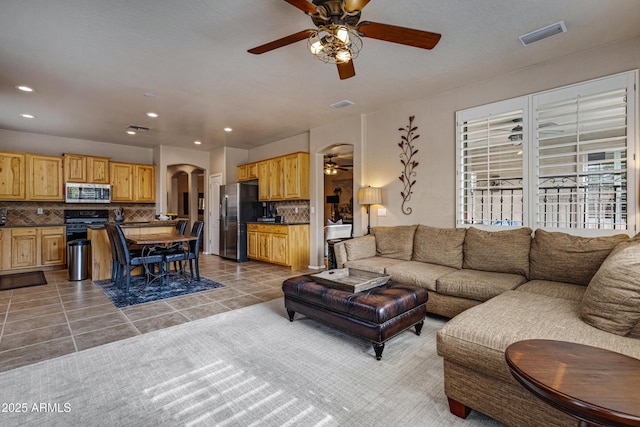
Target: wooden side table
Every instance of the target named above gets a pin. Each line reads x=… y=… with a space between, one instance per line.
x=331 y=253
x=597 y=386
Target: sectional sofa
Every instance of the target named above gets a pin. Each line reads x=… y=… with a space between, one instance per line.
x=506 y=286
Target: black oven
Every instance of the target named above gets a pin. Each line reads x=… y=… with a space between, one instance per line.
x=77 y=221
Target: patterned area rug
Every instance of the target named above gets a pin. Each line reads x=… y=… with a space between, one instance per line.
x=22 y=280
x=139 y=292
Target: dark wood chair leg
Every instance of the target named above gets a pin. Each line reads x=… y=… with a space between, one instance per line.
x=458 y=409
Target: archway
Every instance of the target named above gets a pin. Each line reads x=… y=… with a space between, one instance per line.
x=186 y=193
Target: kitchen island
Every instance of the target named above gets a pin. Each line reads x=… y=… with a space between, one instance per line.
x=100 y=264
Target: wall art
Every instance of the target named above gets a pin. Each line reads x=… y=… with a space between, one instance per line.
x=407 y=159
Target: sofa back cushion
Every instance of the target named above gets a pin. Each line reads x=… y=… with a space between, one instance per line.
x=612 y=299
x=562 y=257
x=394 y=242
x=360 y=248
x=442 y=246
x=500 y=251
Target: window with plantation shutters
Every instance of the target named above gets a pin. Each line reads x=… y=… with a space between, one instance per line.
x=563 y=159
x=582 y=140
x=491 y=165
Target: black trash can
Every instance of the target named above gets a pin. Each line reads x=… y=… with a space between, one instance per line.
x=78 y=259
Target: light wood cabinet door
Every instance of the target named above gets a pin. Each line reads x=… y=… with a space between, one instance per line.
x=263 y=181
x=145 y=183
x=280 y=248
x=276 y=178
x=252 y=171
x=52 y=245
x=121 y=182
x=12 y=176
x=264 y=246
x=24 y=247
x=242 y=173
x=296 y=176
x=75 y=168
x=98 y=170
x=252 y=244
x=45 y=177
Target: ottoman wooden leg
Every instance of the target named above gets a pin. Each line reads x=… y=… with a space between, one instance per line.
x=378 y=348
x=419 y=327
x=291 y=313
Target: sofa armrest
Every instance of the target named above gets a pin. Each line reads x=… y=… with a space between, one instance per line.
x=356 y=248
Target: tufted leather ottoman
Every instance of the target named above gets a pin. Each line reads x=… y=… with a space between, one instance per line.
x=377 y=314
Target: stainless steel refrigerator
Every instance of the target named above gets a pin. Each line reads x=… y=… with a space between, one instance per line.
x=238 y=205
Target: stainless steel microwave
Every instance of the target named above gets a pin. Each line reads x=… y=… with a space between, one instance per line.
x=87 y=193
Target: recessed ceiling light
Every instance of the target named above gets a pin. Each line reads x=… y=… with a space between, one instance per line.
x=228 y=130
x=197 y=142
x=25 y=88
x=28 y=116
x=152 y=114
x=131 y=132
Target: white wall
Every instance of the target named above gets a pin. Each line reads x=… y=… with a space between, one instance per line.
x=53 y=145
x=280 y=148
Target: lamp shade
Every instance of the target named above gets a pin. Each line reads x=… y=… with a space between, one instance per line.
x=369 y=196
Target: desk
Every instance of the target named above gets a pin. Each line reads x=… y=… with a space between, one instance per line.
x=153 y=239
x=597 y=386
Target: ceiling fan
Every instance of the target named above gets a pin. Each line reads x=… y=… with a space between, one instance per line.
x=331 y=167
x=337 y=37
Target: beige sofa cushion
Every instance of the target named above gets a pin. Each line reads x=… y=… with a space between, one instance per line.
x=418 y=273
x=360 y=247
x=562 y=257
x=394 y=242
x=612 y=299
x=500 y=251
x=442 y=246
x=477 y=285
x=554 y=289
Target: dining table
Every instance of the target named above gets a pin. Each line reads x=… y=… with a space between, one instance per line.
x=150 y=242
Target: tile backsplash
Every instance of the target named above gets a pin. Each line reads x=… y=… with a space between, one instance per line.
x=288 y=210
x=26 y=213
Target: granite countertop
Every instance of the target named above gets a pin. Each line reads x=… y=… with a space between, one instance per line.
x=31 y=225
x=131 y=224
x=277 y=223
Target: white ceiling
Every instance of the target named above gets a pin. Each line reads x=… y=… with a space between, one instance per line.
x=92 y=62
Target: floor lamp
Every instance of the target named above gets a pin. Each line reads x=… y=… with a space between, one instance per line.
x=369 y=196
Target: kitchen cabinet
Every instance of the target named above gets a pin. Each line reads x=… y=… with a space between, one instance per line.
x=12 y=176
x=52 y=245
x=28 y=248
x=286 y=245
x=45 y=177
x=247 y=172
x=132 y=182
x=89 y=169
x=284 y=178
x=121 y=182
x=144 y=177
x=296 y=176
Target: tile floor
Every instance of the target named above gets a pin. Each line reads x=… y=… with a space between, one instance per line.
x=43 y=322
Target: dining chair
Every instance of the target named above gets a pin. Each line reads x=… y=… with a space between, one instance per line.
x=181 y=226
x=115 y=265
x=192 y=255
x=128 y=259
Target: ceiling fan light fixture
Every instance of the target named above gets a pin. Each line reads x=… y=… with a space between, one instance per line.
x=335 y=44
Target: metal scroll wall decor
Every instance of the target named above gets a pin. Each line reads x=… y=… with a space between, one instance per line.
x=407 y=158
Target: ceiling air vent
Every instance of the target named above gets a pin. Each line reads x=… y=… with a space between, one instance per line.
x=136 y=128
x=543 y=33
x=341 y=104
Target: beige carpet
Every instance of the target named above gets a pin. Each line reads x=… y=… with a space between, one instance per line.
x=240 y=368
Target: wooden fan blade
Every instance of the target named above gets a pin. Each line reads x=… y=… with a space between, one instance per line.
x=401 y=35
x=346 y=70
x=304 y=34
x=303 y=5
x=353 y=5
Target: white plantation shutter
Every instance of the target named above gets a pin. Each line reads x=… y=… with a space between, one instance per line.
x=564 y=159
x=582 y=145
x=491 y=165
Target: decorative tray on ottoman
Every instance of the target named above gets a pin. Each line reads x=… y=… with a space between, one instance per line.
x=350 y=279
